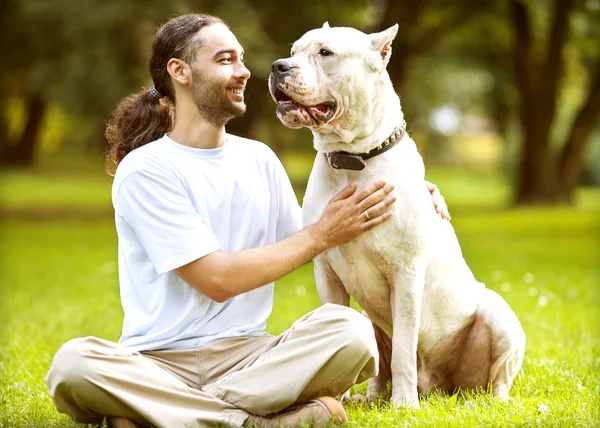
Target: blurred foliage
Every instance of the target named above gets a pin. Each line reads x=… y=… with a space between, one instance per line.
x=68 y=64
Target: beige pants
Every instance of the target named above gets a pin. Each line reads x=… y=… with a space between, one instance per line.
x=323 y=353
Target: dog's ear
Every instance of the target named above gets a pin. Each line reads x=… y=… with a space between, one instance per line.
x=326 y=24
x=382 y=44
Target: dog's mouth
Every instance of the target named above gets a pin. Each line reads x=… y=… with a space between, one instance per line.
x=321 y=112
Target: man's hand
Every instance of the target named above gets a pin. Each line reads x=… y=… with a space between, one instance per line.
x=438 y=201
x=350 y=213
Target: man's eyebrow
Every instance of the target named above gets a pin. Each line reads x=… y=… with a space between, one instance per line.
x=229 y=51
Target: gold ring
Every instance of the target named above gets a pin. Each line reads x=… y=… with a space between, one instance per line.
x=367 y=215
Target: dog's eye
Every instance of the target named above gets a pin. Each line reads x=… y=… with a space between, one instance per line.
x=325 y=52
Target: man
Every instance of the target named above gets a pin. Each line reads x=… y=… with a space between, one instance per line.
x=204 y=221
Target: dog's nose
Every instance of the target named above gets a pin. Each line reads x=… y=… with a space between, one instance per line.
x=281 y=66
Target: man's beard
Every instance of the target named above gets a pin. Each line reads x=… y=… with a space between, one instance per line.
x=212 y=101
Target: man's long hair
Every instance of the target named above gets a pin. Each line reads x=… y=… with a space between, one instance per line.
x=144 y=117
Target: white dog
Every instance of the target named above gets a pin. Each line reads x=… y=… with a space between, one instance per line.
x=436 y=325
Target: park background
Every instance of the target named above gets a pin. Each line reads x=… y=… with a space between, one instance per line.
x=502 y=98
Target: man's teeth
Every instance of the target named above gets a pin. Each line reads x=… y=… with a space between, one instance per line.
x=237 y=91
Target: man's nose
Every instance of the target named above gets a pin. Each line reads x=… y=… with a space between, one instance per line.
x=281 y=66
x=243 y=71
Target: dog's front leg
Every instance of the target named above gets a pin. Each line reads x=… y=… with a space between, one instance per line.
x=329 y=285
x=331 y=290
x=407 y=291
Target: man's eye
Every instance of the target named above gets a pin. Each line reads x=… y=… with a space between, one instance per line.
x=325 y=52
x=225 y=60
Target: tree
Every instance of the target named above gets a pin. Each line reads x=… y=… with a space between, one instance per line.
x=82 y=56
x=424 y=26
x=537 y=55
x=21 y=47
x=543 y=177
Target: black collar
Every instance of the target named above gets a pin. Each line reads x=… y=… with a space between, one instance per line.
x=356 y=161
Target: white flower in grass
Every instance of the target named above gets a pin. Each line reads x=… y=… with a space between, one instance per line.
x=470 y=404
x=528 y=278
x=533 y=291
x=542 y=408
x=505 y=287
x=542 y=301
x=17 y=385
x=496 y=275
x=300 y=290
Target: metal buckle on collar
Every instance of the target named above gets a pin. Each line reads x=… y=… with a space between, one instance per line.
x=347 y=161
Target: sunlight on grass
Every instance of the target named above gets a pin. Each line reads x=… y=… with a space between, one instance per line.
x=59 y=281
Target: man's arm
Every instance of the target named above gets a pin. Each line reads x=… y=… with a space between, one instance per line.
x=222 y=276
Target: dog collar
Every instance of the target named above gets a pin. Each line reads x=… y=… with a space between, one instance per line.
x=356 y=161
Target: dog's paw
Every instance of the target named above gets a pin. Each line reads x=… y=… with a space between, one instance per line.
x=359 y=399
x=406 y=402
x=345 y=397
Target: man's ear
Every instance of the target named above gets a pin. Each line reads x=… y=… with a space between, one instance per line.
x=179 y=71
x=381 y=43
x=326 y=25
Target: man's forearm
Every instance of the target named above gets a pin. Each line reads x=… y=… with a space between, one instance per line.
x=222 y=276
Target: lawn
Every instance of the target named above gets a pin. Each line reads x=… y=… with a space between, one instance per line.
x=59 y=281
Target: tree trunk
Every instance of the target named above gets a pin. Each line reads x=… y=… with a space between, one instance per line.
x=22 y=154
x=500 y=108
x=535 y=171
x=4 y=142
x=538 y=82
x=571 y=159
x=405 y=13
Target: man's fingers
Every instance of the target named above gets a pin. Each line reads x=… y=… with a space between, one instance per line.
x=379 y=208
x=430 y=186
x=440 y=206
x=443 y=211
x=367 y=191
x=375 y=197
x=377 y=221
x=438 y=201
x=346 y=192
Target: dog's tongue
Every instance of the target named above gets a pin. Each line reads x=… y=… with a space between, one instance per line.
x=320 y=111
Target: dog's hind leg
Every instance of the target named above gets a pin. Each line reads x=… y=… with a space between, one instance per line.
x=508 y=339
x=493 y=349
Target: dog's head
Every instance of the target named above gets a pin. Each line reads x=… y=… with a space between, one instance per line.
x=332 y=78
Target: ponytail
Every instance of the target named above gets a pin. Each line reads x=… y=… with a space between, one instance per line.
x=137 y=120
x=148 y=115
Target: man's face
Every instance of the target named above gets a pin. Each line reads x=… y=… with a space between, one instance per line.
x=219 y=75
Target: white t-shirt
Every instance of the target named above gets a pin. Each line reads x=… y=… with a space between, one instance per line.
x=175 y=204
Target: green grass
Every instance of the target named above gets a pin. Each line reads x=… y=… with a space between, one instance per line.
x=59 y=281
x=63 y=185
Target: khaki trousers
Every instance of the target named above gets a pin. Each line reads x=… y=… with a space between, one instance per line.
x=323 y=353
